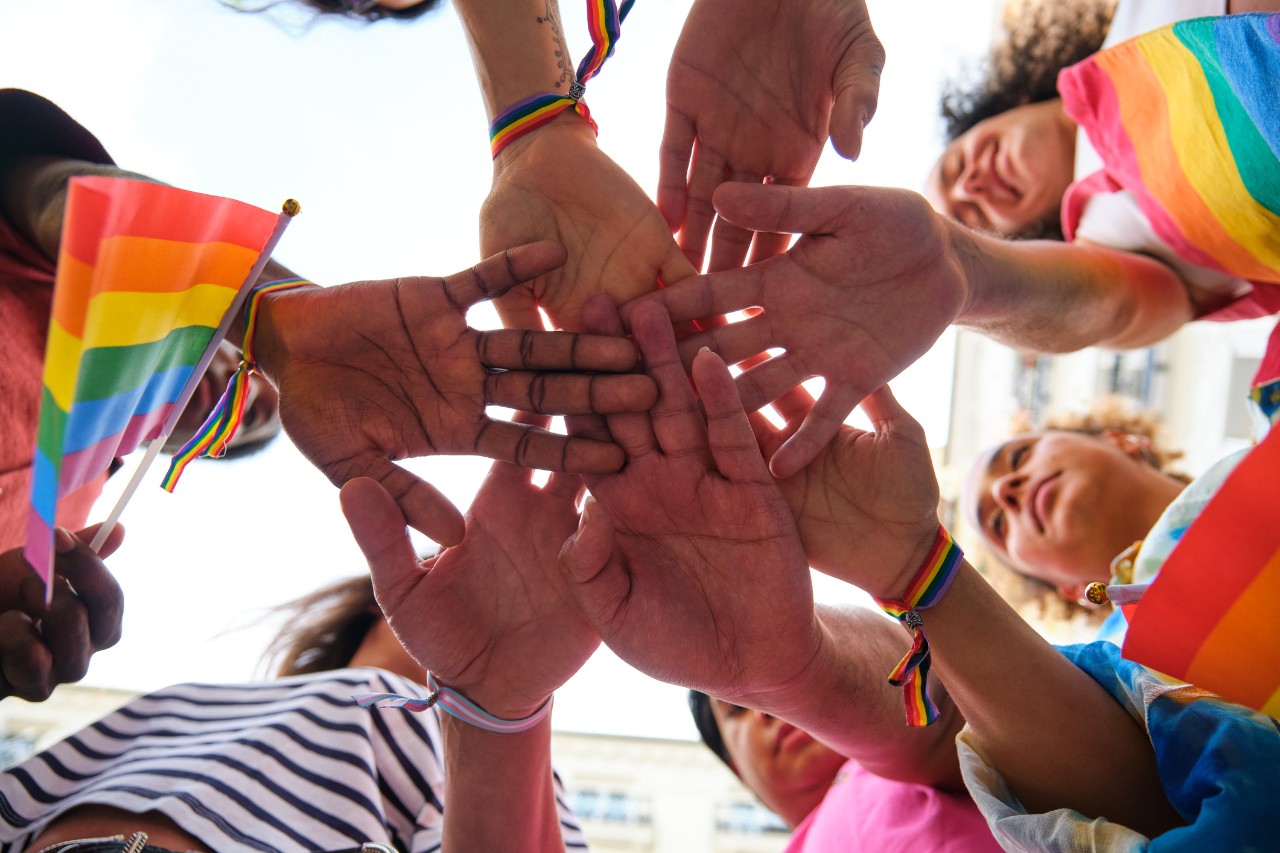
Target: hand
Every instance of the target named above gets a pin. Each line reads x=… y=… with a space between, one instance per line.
x=864 y=293
x=41 y=647
x=687 y=563
x=754 y=89
x=492 y=617
x=867 y=506
x=555 y=184
x=377 y=371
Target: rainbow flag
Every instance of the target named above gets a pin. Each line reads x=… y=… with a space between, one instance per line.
x=145 y=275
x=1187 y=118
x=1209 y=617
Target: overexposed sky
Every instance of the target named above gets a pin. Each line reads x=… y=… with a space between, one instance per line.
x=380 y=133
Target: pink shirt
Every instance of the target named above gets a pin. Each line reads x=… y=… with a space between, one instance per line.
x=864 y=812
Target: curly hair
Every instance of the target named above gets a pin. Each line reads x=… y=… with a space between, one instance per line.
x=323 y=629
x=1038 y=38
x=364 y=10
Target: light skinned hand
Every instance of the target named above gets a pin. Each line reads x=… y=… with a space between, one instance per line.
x=555 y=184
x=867 y=505
x=864 y=293
x=44 y=646
x=754 y=90
x=687 y=562
x=376 y=371
x=492 y=617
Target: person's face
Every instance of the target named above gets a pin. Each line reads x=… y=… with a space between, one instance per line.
x=1006 y=175
x=261 y=408
x=786 y=768
x=1059 y=506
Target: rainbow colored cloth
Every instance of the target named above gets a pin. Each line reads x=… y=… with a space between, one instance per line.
x=1187 y=118
x=145 y=274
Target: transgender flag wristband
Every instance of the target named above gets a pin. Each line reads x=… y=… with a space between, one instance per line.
x=454 y=704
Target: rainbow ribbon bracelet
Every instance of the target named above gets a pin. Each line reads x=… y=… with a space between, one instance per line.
x=925 y=590
x=604 y=20
x=214 y=435
x=454 y=704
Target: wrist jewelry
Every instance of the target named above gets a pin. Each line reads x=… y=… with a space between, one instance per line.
x=926 y=589
x=454 y=704
x=604 y=20
x=213 y=436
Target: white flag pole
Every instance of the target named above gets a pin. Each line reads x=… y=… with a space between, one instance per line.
x=290 y=209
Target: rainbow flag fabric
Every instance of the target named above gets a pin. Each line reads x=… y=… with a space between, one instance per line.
x=145 y=274
x=1209 y=617
x=1187 y=118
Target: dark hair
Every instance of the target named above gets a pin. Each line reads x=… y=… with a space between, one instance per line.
x=1038 y=39
x=368 y=12
x=323 y=630
x=708 y=729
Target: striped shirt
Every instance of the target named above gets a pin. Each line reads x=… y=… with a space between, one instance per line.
x=287 y=765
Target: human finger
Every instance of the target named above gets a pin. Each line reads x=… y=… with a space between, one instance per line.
x=378 y=526
x=525 y=349
x=887 y=415
x=734 y=342
x=498 y=273
x=706 y=172
x=568 y=393
x=678 y=135
x=768 y=381
x=678 y=425
x=94 y=585
x=781 y=209
x=856 y=92
x=632 y=431
x=64 y=630
x=591 y=568
x=793 y=406
x=534 y=448
x=730 y=243
x=816 y=431
x=421 y=504
x=25 y=662
x=704 y=296
x=733 y=444
x=600 y=317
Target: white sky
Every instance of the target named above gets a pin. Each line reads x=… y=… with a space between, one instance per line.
x=381 y=134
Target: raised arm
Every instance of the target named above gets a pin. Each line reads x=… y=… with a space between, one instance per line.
x=754 y=90
x=491 y=619
x=555 y=183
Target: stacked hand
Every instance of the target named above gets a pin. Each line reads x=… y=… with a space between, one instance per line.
x=41 y=647
x=688 y=563
x=377 y=371
x=491 y=617
x=864 y=293
x=754 y=89
x=555 y=184
x=867 y=506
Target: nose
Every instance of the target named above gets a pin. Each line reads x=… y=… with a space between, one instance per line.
x=1008 y=490
x=970 y=184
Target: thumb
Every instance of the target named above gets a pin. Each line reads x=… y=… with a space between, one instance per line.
x=590 y=567
x=379 y=529
x=857 y=90
x=779 y=209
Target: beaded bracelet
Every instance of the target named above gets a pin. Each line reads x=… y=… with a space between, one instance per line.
x=604 y=20
x=926 y=589
x=454 y=704
x=213 y=436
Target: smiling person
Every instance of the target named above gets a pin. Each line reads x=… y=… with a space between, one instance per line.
x=878 y=273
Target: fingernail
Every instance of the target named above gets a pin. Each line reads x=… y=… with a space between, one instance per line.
x=704 y=349
x=63 y=541
x=587 y=506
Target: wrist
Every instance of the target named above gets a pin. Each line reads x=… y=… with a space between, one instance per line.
x=277 y=313
x=569 y=128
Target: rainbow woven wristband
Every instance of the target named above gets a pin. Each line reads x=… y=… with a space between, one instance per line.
x=926 y=589
x=524 y=117
x=454 y=704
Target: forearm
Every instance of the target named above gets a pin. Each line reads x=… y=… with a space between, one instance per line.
x=849 y=705
x=499 y=790
x=1054 y=733
x=1054 y=297
x=518 y=48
